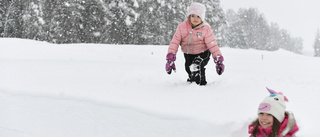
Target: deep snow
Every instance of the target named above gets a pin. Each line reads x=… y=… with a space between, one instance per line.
x=99 y=90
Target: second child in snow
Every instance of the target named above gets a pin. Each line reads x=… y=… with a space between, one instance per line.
x=273 y=119
x=197 y=42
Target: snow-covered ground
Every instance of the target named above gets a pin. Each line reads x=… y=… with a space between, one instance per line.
x=99 y=90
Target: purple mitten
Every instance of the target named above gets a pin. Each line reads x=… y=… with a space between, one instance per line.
x=219 y=64
x=170 y=63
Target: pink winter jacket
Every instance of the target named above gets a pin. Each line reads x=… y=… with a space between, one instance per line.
x=286 y=122
x=201 y=39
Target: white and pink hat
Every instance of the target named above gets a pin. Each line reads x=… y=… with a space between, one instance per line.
x=197 y=9
x=274 y=105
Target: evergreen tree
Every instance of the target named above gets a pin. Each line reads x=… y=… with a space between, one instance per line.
x=33 y=21
x=285 y=41
x=58 y=30
x=11 y=18
x=316 y=44
x=297 y=45
x=120 y=21
x=255 y=27
x=274 y=38
x=165 y=20
x=91 y=22
x=235 y=36
x=174 y=14
x=147 y=27
x=3 y=11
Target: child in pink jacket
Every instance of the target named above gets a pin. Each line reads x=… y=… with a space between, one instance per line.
x=197 y=42
x=273 y=120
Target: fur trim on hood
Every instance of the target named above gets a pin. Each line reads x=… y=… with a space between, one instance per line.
x=290 y=125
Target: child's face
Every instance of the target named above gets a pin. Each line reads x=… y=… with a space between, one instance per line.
x=265 y=120
x=195 y=20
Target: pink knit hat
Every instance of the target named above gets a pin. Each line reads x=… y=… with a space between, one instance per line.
x=197 y=9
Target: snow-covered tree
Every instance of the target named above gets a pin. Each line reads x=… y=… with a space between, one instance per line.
x=60 y=25
x=120 y=19
x=290 y=43
x=255 y=27
x=11 y=18
x=274 y=38
x=33 y=21
x=316 y=44
x=147 y=29
x=91 y=18
x=235 y=36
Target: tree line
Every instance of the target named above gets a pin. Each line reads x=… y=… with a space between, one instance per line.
x=248 y=28
x=136 y=22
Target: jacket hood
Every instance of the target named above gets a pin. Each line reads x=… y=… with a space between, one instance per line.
x=290 y=126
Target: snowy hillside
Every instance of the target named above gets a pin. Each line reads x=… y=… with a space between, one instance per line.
x=98 y=90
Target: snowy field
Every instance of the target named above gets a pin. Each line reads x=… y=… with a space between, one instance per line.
x=99 y=90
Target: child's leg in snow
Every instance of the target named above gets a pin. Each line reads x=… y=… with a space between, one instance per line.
x=206 y=57
x=195 y=67
x=188 y=61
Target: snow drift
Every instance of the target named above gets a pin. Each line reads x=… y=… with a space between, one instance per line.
x=99 y=90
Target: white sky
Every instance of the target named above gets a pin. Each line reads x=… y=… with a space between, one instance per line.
x=300 y=17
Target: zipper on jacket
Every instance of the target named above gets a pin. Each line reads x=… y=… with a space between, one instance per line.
x=201 y=25
x=189 y=40
x=264 y=134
